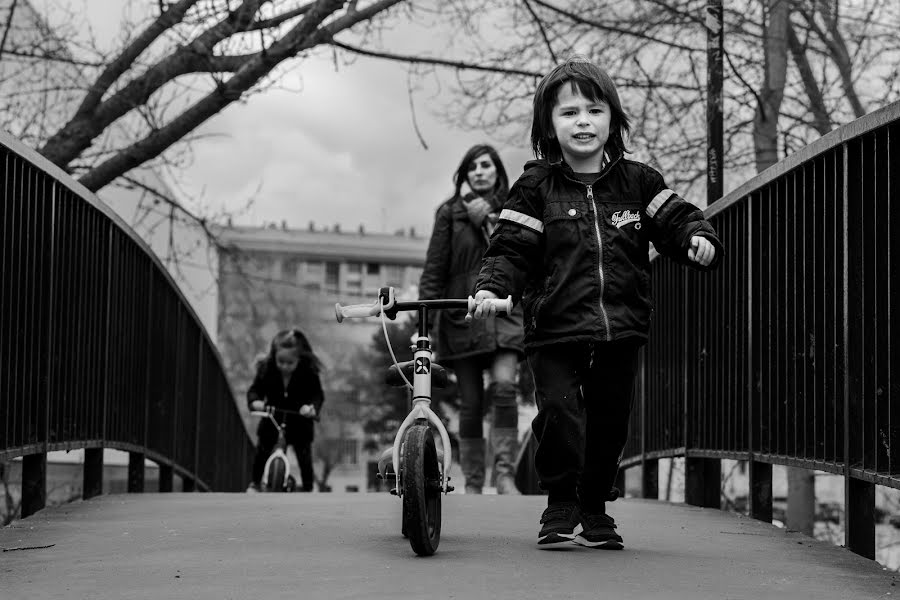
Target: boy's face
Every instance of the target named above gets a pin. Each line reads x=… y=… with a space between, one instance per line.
x=286 y=360
x=482 y=174
x=581 y=126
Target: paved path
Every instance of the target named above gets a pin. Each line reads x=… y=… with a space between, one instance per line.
x=348 y=546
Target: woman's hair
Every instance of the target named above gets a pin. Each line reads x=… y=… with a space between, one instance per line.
x=293 y=339
x=501 y=186
x=594 y=84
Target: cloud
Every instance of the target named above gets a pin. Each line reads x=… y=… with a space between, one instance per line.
x=341 y=150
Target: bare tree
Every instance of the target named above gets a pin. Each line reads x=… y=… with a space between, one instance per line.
x=794 y=70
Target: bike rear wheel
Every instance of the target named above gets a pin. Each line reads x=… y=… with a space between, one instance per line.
x=277 y=473
x=421 y=490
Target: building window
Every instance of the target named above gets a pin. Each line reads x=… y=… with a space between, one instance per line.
x=373 y=269
x=349 y=452
x=291 y=270
x=332 y=275
x=312 y=276
x=393 y=275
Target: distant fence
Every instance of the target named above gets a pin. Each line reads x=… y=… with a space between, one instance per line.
x=99 y=348
x=789 y=353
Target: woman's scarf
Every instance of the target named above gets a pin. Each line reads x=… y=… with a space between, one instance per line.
x=484 y=211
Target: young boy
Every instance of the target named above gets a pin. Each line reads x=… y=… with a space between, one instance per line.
x=572 y=245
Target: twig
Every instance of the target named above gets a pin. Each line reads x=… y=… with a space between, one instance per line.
x=28 y=548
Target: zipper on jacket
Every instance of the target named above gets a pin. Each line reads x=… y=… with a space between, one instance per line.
x=590 y=196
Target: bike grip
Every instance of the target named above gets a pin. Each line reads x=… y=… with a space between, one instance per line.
x=501 y=304
x=355 y=310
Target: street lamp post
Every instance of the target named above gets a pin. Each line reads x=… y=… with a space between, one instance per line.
x=714 y=75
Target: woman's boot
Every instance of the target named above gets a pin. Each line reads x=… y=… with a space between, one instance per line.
x=506 y=442
x=504 y=435
x=471 y=459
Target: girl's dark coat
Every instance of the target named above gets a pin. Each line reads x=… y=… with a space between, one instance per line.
x=304 y=387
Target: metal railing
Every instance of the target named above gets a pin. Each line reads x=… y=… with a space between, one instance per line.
x=98 y=346
x=788 y=353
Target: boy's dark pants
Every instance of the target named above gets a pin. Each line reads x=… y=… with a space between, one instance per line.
x=267 y=437
x=584 y=395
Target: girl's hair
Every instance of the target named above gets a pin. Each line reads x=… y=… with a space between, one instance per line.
x=461 y=176
x=293 y=339
x=594 y=84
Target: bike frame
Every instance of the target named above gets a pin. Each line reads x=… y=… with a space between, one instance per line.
x=387 y=306
x=279 y=452
x=421 y=400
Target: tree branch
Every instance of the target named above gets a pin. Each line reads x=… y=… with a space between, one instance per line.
x=423 y=60
x=76 y=135
x=9 y=20
x=124 y=61
x=307 y=34
x=603 y=27
x=280 y=19
x=540 y=26
x=821 y=119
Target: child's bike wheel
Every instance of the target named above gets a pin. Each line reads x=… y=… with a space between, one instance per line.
x=421 y=490
x=277 y=471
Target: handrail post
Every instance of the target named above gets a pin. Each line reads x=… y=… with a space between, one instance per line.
x=859 y=495
x=760 y=473
x=166 y=475
x=34 y=483
x=93 y=473
x=135 y=472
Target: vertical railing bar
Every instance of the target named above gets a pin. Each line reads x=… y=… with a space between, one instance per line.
x=111 y=263
x=749 y=326
x=17 y=416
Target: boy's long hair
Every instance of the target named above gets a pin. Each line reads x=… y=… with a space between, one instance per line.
x=593 y=83
x=461 y=175
x=293 y=339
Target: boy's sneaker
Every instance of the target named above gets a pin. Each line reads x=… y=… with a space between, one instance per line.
x=560 y=524
x=599 y=531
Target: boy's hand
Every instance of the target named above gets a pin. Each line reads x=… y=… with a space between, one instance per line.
x=482 y=310
x=701 y=251
x=257 y=405
x=308 y=410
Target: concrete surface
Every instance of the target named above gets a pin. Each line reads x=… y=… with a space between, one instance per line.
x=348 y=546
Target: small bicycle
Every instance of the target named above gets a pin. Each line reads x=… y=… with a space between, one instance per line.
x=421 y=471
x=277 y=476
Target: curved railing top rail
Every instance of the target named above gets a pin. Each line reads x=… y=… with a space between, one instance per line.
x=830 y=140
x=786 y=354
x=63 y=178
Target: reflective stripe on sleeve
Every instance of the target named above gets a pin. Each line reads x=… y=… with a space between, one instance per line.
x=522 y=219
x=658 y=201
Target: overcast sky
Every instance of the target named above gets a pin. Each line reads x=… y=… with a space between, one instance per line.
x=339 y=147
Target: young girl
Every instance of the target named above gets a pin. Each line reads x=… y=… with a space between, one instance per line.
x=289 y=379
x=462 y=226
x=572 y=246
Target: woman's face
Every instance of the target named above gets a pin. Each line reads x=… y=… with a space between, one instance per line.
x=286 y=359
x=482 y=174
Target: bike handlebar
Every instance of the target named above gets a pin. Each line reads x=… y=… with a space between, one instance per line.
x=391 y=307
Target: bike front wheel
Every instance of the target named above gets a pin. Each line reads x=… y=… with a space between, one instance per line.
x=277 y=473
x=421 y=490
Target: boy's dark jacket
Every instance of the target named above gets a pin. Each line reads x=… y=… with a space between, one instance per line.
x=303 y=388
x=545 y=250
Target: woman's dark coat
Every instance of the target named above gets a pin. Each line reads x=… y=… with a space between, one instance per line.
x=451 y=268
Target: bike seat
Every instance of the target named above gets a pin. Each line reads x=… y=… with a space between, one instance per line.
x=438 y=374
